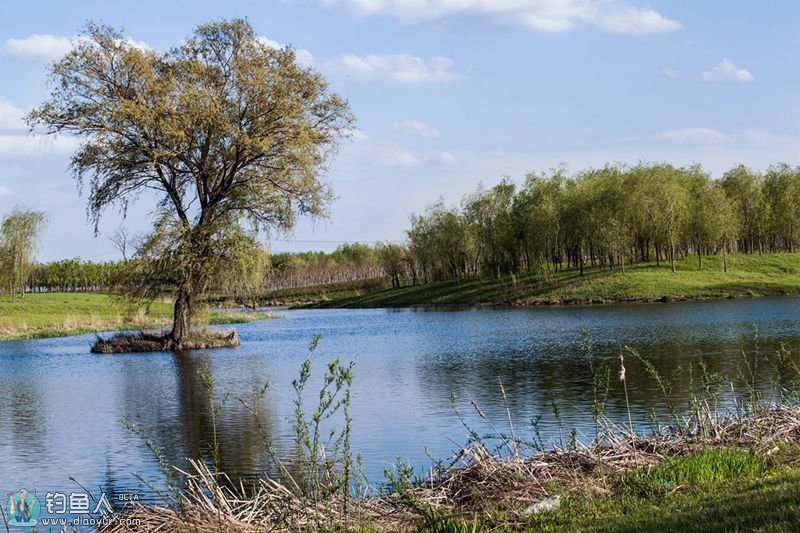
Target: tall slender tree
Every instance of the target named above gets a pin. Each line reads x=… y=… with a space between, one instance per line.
x=19 y=239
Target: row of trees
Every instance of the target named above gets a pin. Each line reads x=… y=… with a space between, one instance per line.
x=75 y=275
x=606 y=217
x=349 y=262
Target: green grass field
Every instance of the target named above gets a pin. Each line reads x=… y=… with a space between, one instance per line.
x=748 y=275
x=61 y=314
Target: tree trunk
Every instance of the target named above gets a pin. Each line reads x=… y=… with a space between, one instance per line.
x=724 y=256
x=181 y=321
x=672 y=252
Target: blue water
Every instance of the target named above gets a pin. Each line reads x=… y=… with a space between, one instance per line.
x=62 y=408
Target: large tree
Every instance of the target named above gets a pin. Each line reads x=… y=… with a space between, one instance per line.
x=229 y=132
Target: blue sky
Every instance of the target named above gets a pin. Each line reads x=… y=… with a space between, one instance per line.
x=448 y=94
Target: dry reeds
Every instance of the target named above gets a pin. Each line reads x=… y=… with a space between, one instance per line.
x=475 y=484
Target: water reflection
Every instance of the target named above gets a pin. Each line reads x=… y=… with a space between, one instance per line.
x=179 y=419
x=62 y=408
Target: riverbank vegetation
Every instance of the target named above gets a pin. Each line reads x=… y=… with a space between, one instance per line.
x=621 y=219
x=601 y=235
x=749 y=275
x=727 y=460
x=643 y=233
x=609 y=218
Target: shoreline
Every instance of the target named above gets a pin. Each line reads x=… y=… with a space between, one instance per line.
x=340 y=304
x=220 y=319
x=736 y=473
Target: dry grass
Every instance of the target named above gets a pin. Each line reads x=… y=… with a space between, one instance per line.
x=476 y=485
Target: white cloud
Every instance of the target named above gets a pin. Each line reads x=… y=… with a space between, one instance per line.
x=444 y=158
x=415 y=127
x=692 y=136
x=671 y=73
x=303 y=56
x=631 y=20
x=4 y=191
x=36 y=145
x=402 y=68
x=45 y=47
x=613 y=16
x=39 y=47
x=366 y=151
x=399 y=158
x=11 y=116
x=727 y=71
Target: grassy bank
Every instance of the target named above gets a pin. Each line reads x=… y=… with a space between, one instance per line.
x=61 y=314
x=713 y=489
x=748 y=275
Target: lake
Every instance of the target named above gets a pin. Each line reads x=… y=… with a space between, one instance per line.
x=62 y=408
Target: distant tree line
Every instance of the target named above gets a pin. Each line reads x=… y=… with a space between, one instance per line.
x=349 y=262
x=605 y=218
x=75 y=275
x=598 y=218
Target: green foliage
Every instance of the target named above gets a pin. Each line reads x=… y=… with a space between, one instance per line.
x=707 y=468
x=713 y=489
x=76 y=275
x=228 y=130
x=19 y=235
x=606 y=218
x=394 y=261
x=324 y=460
